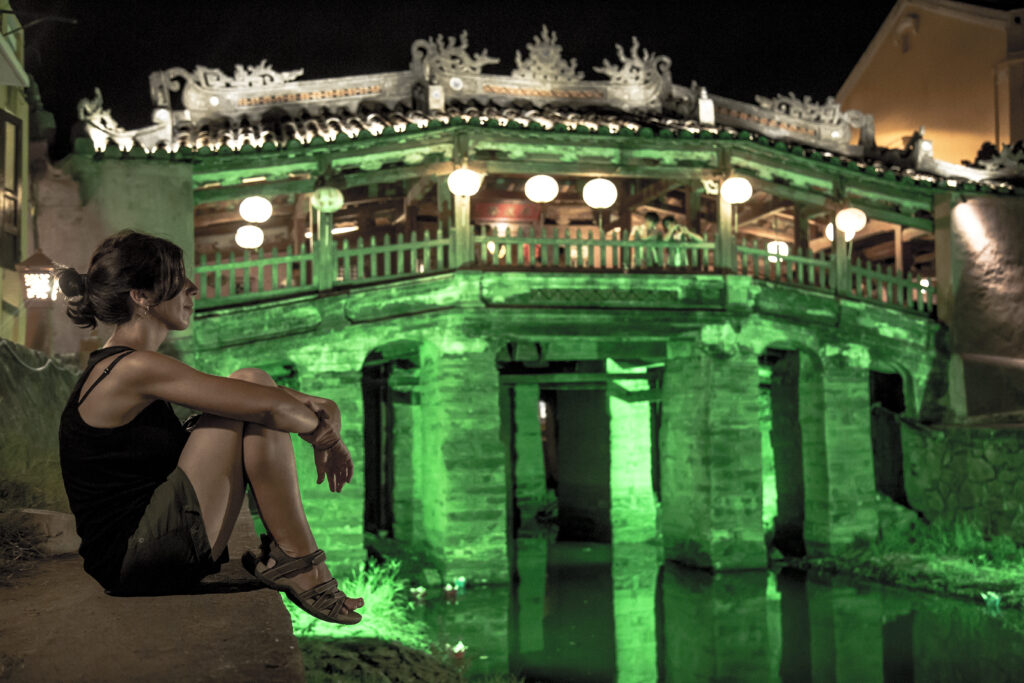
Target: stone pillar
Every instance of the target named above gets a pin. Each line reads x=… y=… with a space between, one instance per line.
x=715 y=626
x=336 y=519
x=634 y=509
x=404 y=416
x=711 y=486
x=531 y=493
x=531 y=592
x=845 y=634
x=634 y=587
x=464 y=463
x=839 y=476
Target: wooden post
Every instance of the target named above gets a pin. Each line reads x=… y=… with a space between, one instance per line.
x=841 y=262
x=898 y=237
x=693 y=196
x=326 y=270
x=725 y=239
x=801 y=226
x=462 y=233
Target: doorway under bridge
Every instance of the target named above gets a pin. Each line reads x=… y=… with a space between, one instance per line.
x=582 y=438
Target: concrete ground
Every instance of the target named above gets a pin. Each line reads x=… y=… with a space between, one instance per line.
x=57 y=624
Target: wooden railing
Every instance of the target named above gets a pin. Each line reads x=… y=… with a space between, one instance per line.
x=884 y=285
x=357 y=261
x=362 y=263
x=804 y=267
x=578 y=251
x=258 y=274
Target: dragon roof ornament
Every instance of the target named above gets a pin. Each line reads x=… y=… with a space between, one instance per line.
x=544 y=61
x=206 y=106
x=432 y=57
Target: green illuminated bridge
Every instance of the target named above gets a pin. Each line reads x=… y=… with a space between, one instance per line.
x=667 y=363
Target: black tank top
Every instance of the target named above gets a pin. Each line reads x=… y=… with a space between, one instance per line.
x=110 y=474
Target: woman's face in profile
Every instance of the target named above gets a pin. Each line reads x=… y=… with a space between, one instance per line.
x=176 y=312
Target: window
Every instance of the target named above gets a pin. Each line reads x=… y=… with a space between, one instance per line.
x=10 y=188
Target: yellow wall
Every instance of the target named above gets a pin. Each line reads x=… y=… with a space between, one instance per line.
x=944 y=80
x=12 y=99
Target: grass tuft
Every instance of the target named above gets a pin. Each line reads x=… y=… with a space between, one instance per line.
x=19 y=545
x=387 y=613
x=954 y=538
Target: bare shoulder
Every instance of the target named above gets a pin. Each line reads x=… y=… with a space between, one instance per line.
x=152 y=364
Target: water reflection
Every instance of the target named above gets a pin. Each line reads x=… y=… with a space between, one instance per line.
x=617 y=613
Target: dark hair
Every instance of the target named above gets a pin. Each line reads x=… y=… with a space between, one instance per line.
x=651 y=216
x=123 y=262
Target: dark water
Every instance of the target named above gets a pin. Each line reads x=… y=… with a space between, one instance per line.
x=593 y=613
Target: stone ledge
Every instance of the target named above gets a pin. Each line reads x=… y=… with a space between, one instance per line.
x=59 y=625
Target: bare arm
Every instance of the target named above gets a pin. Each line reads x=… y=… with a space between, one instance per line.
x=150 y=375
x=316 y=404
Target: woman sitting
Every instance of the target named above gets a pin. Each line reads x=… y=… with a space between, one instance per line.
x=155 y=502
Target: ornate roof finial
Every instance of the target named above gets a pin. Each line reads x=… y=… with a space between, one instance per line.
x=638 y=68
x=545 y=62
x=438 y=56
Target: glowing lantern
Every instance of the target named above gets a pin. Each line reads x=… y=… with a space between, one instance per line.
x=327 y=199
x=541 y=189
x=925 y=283
x=600 y=193
x=37 y=278
x=464 y=182
x=850 y=221
x=777 y=250
x=830 y=233
x=737 y=190
x=249 y=237
x=256 y=209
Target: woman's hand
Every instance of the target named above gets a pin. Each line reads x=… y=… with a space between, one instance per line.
x=333 y=464
x=327 y=408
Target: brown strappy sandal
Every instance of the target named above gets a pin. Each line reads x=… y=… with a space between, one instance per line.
x=323 y=601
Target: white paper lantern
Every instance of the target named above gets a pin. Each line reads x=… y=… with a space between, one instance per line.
x=600 y=193
x=737 y=190
x=541 y=189
x=830 y=233
x=850 y=221
x=777 y=249
x=464 y=182
x=249 y=237
x=327 y=199
x=256 y=209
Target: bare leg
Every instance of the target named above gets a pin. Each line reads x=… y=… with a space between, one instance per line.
x=220 y=453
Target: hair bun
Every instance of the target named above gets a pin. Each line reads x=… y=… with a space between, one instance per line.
x=72 y=283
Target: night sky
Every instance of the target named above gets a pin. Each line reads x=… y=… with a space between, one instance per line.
x=736 y=49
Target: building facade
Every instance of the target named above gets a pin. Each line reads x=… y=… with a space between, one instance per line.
x=15 y=226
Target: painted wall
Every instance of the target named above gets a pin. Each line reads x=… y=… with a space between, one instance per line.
x=937 y=65
x=81 y=201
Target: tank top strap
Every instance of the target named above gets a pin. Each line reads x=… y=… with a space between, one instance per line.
x=106 y=371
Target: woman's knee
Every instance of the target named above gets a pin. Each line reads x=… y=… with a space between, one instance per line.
x=254 y=375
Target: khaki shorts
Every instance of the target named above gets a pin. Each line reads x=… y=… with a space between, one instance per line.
x=169 y=550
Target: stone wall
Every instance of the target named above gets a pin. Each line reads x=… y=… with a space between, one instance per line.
x=966 y=472
x=31 y=401
x=82 y=201
x=988 y=302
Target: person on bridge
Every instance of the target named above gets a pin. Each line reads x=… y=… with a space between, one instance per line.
x=155 y=500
